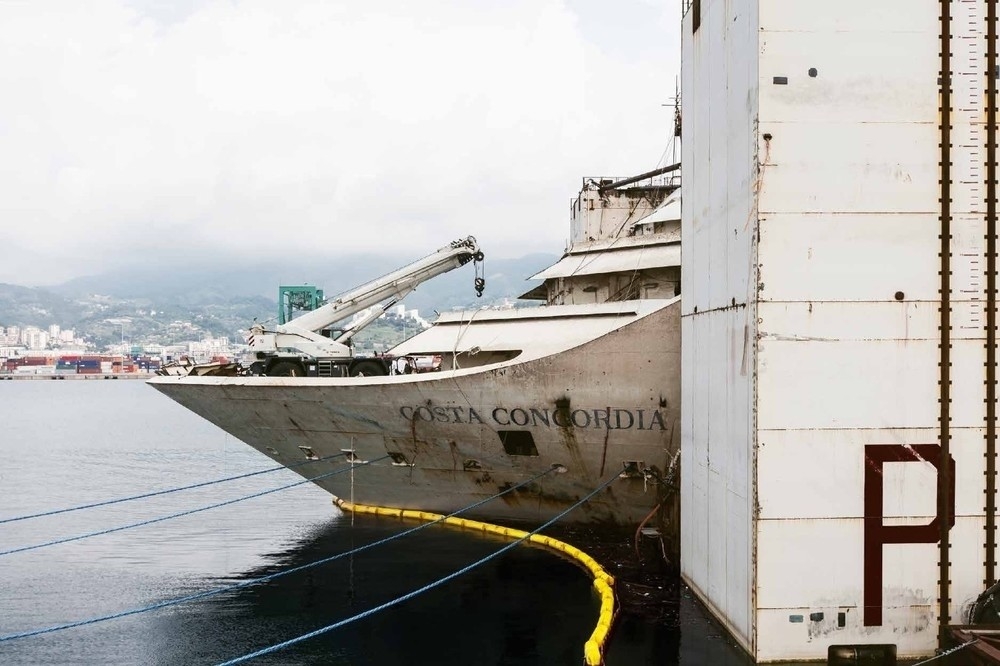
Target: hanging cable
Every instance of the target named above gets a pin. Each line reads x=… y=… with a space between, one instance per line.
x=185 y=513
x=164 y=492
x=269 y=577
x=410 y=595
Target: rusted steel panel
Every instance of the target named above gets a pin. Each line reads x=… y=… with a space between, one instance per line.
x=850 y=384
x=873 y=168
x=854 y=16
x=849 y=257
x=792 y=492
x=845 y=88
x=798 y=609
x=801 y=379
x=859 y=320
x=719 y=149
x=869 y=422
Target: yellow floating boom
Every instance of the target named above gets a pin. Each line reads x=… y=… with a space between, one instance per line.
x=593 y=649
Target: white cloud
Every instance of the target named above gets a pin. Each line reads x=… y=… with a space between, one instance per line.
x=312 y=127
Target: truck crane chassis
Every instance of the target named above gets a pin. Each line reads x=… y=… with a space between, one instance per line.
x=307 y=347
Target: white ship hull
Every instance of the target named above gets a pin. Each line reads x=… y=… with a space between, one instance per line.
x=595 y=389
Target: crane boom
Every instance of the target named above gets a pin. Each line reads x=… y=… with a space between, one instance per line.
x=394 y=285
x=299 y=347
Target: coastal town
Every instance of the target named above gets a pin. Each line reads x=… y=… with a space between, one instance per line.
x=53 y=351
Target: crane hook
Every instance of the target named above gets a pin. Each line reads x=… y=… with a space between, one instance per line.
x=480 y=282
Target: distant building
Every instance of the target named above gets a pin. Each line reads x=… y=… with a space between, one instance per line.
x=11 y=352
x=35 y=338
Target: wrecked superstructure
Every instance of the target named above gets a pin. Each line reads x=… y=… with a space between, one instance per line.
x=625 y=242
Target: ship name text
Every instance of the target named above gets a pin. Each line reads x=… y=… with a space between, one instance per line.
x=602 y=418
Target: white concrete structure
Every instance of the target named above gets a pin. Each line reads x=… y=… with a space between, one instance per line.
x=35 y=338
x=837 y=340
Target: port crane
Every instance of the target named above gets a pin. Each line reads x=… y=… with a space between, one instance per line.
x=307 y=347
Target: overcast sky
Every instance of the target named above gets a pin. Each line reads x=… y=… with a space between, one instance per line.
x=147 y=130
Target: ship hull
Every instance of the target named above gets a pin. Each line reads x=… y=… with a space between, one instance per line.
x=607 y=407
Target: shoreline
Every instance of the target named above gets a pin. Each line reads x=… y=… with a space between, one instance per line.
x=75 y=377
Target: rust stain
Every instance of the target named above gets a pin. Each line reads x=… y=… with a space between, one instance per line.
x=604 y=453
x=568 y=435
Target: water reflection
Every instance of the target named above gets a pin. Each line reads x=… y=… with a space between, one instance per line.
x=526 y=607
x=66 y=443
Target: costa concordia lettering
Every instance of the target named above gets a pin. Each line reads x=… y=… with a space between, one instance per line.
x=609 y=418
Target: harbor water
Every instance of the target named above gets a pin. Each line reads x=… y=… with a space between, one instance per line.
x=69 y=443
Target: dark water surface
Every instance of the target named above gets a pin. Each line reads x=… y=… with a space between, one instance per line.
x=72 y=442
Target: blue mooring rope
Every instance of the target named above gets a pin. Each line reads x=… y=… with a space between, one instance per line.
x=263 y=579
x=187 y=513
x=410 y=595
x=164 y=492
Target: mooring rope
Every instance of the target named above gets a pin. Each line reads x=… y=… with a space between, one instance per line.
x=267 y=578
x=421 y=590
x=189 y=512
x=165 y=492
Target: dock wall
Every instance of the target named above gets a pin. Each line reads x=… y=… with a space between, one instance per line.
x=839 y=365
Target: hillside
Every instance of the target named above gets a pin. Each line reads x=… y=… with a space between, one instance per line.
x=189 y=302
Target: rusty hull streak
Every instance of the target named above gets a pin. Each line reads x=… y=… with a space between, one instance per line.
x=412 y=463
x=604 y=452
x=568 y=436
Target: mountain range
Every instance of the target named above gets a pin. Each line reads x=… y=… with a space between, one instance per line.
x=187 y=301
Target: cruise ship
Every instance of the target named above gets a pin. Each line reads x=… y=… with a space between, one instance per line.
x=580 y=389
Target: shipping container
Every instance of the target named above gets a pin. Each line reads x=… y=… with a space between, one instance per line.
x=839 y=341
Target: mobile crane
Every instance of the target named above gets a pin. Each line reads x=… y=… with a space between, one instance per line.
x=307 y=347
